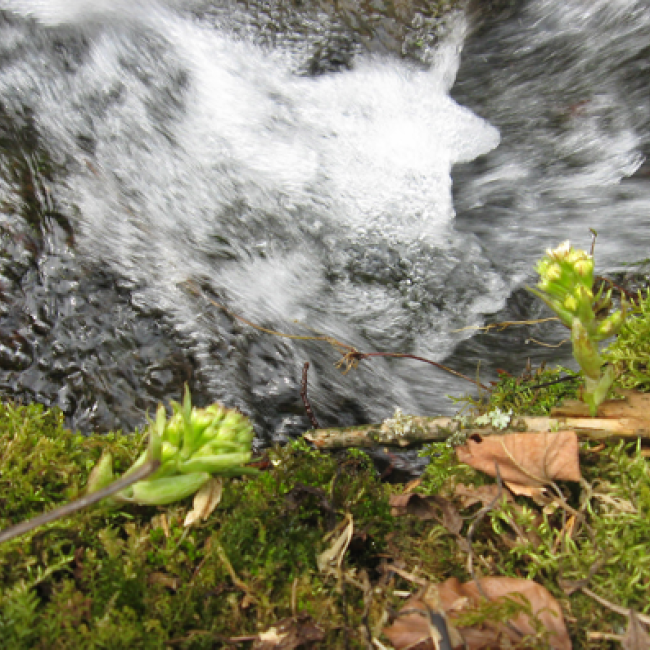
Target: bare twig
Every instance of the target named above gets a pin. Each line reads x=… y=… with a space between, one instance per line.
x=470 y=533
x=594 y=235
x=623 y=611
x=437 y=429
x=305 y=399
x=505 y=324
x=351 y=360
x=548 y=345
x=79 y=504
x=351 y=356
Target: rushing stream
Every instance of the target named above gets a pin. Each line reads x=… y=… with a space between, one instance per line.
x=295 y=166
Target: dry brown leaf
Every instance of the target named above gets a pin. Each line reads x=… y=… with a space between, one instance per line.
x=469 y=495
x=205 y=501
x=413 y=630
x=636 y=637
x=289 y=633
x=456 y=597
x=525 y=459
x=416 y=629
x=426 y=508
x=422 y=624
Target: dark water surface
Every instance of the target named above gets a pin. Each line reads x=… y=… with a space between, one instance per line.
x=296 y=165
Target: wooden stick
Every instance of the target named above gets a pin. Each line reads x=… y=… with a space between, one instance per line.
x=627 y=419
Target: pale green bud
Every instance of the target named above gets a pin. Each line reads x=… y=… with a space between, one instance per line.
x=169 y=451
x=175 y=430
x=201 y=420
x=101 y=475
x=610 y=326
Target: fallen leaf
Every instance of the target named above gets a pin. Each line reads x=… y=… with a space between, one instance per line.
x=205 y=501
x=415 y=629
x=636 y=637
x=422 y=624
x=525 y=460
x=426 y=508
x=470 y=495
x=289 y=633
x=456 y=597
x=329 y=561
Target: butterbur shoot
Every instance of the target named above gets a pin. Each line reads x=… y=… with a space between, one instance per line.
x=566 y=286
x=192 y=446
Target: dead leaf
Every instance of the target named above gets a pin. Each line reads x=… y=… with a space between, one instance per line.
x=470 y=495
x=414 y=630
x=422 y=624
x=330 y=561
x=205 y=501
x=525 y=460
x=456 y=597
x=427 y=508
x=289 y=633
x=636 y=637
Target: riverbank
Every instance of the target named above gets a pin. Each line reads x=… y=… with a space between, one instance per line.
x=314 y=546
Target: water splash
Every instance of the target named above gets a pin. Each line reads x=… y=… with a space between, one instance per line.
x=196 y=158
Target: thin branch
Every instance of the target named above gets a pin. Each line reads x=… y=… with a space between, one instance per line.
x=351 y=356
x=79 y=504
x=305 y=399
x=470 y=533
x=505 y=324
x=548 y=345
x=422 y=430
x=623 y=611
x=352 y=359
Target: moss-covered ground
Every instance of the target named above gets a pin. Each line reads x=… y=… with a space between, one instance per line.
x=134 y=577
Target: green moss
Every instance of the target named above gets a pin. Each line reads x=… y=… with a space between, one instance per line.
x=532 y=393
x=630 y=352
x=135 y=578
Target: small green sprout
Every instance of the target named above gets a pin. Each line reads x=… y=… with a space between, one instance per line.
x=566 y=286
x=192 y=445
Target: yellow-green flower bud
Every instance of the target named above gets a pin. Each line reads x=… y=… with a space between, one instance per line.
x=560 y=252
x=553 y=273
x=570 y=304
x=585 y=269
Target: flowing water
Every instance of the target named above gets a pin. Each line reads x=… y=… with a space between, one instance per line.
x=295 y=165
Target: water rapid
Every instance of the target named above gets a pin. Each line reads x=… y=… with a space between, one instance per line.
x=296 y=167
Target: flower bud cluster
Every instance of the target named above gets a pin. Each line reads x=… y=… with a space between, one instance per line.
x=192 y=445
x=566 y=286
